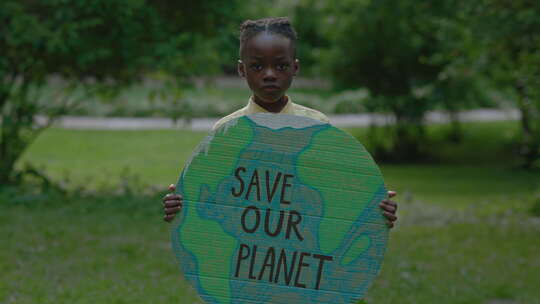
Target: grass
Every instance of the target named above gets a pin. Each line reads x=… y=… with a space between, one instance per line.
x=91 y=158
x=481 y=169
x=88 y=252
x=465 y=233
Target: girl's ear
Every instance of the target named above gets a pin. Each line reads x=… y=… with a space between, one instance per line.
x=241 y=69
x=296 y=67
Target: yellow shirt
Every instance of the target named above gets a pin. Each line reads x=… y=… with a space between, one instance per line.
x=289 y=108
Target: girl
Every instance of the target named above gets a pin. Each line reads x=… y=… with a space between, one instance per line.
x=268 y=63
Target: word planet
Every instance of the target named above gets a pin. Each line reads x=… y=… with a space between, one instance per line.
x=280 y=209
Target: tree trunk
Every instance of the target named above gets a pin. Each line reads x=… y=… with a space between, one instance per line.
x=529 y=144
x=456 y=133
x=10 y=146
x=17 y=120
x=6 y=170
x=409 y=134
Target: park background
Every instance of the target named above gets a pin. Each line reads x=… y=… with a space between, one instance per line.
x=80 y=210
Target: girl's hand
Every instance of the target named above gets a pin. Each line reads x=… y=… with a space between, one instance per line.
x=389 y=209
x=172 y=204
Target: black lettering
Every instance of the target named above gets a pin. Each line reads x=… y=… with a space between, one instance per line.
x=293 y=224
x=285 y=185
x=270 y=194
x=254 y=182
x=257 y=219
x=267 y=223
x=288 y=273
x=322 y=259
x=239 y=178
x=269 y=261
x=253 y=257
x=240 y=258
x=299 y=271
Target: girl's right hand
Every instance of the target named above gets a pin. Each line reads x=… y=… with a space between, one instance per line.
x=172 y=204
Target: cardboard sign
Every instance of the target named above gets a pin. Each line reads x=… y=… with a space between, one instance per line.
x=280 y=209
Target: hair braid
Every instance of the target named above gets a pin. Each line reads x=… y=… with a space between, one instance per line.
x=280 y=25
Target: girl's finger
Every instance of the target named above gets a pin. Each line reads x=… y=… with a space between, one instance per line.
x=172 y=187
x=388 y=207
x=174 y=203
x=172 y=211
x=171 y=196
x=392 y=193
x=390 y=216
x=389 y=202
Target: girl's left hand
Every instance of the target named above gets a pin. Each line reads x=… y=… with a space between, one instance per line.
x=389 y=208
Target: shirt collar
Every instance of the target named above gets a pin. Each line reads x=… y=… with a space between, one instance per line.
x=253 y=107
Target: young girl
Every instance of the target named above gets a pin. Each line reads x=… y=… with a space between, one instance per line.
x=268 y=63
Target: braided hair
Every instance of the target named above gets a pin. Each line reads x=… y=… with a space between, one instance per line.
x=280 y=25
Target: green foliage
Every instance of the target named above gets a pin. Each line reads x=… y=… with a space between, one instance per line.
x=307 y=15
x=398 y=51
x=210 y=101
x=450 y=54
x=95 y=47
x=508 y=33
x=101 y=39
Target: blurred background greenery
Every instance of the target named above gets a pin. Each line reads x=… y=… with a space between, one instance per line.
x=80 y=209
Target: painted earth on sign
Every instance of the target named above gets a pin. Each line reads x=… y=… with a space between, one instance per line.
x=280 y=209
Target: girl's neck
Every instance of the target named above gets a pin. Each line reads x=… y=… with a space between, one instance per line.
x=274 y=107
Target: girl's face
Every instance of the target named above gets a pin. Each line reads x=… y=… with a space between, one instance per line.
x=268 y=64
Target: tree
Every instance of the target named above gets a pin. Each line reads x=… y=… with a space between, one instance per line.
x=392 y=48
x=93 y=47
x=307 y=15
x=460 y=85
x=509 y=33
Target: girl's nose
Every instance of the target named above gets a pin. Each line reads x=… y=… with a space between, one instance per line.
x=269 y=75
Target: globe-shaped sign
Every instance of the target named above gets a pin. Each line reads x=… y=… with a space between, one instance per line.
x=280 y=209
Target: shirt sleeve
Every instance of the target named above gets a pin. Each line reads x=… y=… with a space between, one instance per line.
x=227 y=118
x=311 y=113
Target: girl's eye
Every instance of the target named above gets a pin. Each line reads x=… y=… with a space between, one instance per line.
x=256 y=67
x=282 y=67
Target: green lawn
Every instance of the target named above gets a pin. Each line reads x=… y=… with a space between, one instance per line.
x=465 y=234
x=99 y=158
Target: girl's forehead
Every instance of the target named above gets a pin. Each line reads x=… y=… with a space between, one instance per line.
x=268 y=44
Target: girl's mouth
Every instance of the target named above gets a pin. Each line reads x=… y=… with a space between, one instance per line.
x=270 y=88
